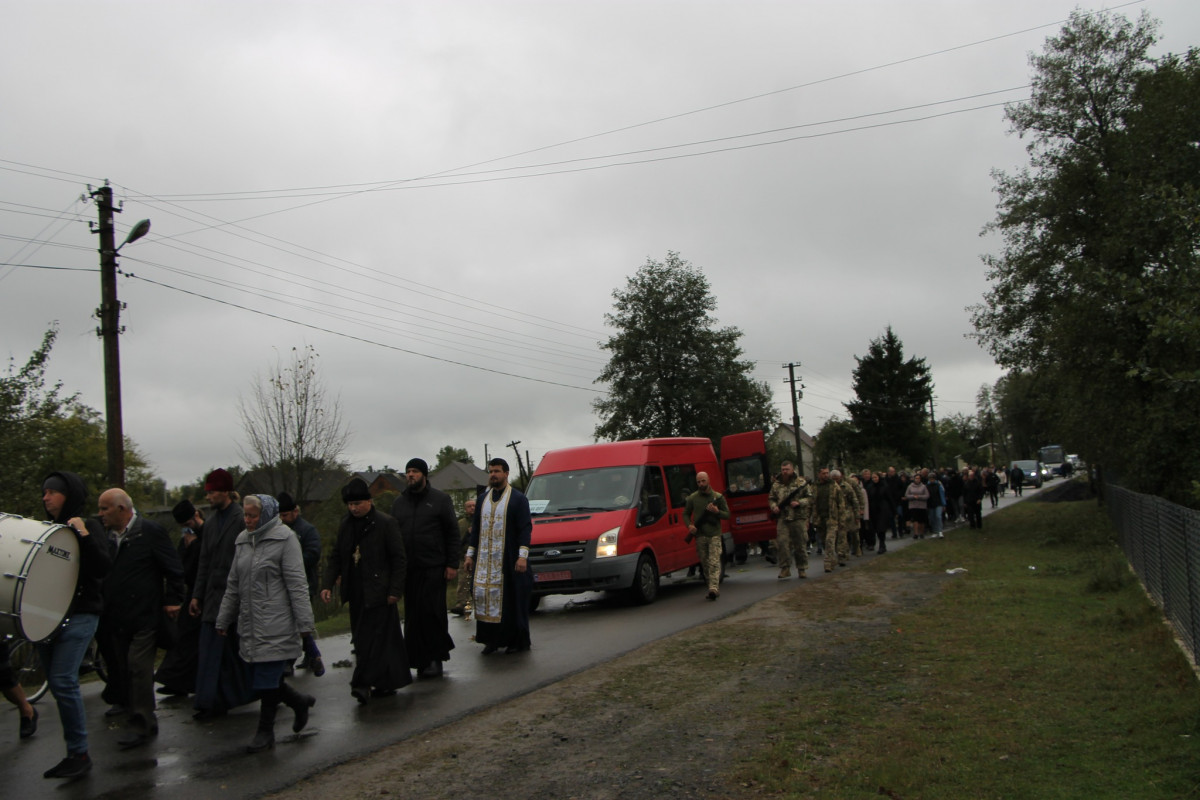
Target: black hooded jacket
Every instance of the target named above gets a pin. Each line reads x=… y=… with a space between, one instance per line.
x=95 y=559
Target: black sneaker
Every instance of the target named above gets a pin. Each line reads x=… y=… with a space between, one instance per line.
x=317 y=667
x=70 y=767
x=29 y=725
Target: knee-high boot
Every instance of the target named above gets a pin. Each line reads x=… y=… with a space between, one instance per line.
x=264 y=737
x=299 y=703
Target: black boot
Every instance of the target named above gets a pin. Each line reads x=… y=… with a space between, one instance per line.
x=264 y=737
x=299 y=703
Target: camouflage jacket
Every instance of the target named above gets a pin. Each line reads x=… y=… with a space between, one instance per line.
x=780 y=491
x=837 y=502
x=851 y=504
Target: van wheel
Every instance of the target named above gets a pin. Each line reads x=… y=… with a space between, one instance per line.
x=645 y=581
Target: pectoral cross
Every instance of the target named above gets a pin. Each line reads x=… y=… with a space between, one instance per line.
x=357 y=555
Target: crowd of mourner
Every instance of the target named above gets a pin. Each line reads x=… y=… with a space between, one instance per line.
x=232 y=601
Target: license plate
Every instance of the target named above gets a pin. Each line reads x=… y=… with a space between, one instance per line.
x=560 y=575
x=746 y=520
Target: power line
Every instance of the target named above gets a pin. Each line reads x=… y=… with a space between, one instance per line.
x=310 y=326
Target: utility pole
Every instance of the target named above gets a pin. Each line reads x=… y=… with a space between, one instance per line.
x=520 y=463
x=796 y=396
x=109 y=314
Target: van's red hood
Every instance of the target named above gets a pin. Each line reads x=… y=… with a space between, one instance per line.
x=577 y=527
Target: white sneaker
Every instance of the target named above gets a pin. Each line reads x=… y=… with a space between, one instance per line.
x=941 y=536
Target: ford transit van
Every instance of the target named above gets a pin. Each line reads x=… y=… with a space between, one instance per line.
x=609 y=517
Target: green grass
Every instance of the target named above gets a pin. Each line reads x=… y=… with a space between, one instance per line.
x=1042 y=672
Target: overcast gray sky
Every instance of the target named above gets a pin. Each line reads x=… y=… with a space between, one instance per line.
x=441 y=197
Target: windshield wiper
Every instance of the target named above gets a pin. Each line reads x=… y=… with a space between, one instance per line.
x=577 y=509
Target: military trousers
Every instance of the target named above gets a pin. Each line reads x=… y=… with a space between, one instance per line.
x=836 y=544
x=791 y=543
x=708 y=548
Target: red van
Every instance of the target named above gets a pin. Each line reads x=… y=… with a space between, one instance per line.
x=609 y=517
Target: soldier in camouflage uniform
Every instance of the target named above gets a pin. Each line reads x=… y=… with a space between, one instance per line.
x=462 y=601
x=703 y=513
x=828 y=508
x=790 y=500
x=848 y=524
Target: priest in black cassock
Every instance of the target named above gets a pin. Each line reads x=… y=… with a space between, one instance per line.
x=368 y=563
x=498 y=551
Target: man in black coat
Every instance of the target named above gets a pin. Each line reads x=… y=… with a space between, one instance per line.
x=177 y=672
x=220 y=671
x=367 y=563
x=430 y=530
x=146 y=581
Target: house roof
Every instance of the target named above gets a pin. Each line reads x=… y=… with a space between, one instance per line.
x=789 y=431
x=458 y=475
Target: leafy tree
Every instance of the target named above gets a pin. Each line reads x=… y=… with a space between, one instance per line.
x=892 y=393
x=672 y=371
x=43 y=430
x=835 y=444
x=449 y=454
x=959 y=436
x=1095 y=287
x=293 y=428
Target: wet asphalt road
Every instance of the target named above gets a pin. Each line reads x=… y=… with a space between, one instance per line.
x=190 y=759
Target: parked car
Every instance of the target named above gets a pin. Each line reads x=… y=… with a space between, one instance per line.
x=1033 y=470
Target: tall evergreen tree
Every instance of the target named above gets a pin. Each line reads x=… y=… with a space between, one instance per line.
x=672 y=371
x=893 y=394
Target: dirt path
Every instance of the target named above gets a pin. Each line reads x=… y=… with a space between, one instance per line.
x=669 y=718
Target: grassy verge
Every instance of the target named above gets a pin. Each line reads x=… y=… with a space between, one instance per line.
x=1041 y=672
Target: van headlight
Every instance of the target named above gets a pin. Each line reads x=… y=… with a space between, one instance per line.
x=606 y=545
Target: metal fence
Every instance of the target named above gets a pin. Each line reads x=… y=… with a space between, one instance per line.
x=1162 y=542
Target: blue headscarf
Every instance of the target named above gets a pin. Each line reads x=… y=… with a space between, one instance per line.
x=270 y=508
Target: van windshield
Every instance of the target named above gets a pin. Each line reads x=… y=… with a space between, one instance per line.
x=603 y=489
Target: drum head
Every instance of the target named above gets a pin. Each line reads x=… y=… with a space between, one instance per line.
x=51 y=573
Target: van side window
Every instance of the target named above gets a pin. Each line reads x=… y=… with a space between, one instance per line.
x=653 y=503
x=681 y=481
x=746 y=475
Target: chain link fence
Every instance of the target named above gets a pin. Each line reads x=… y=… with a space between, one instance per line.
x=1162 y=542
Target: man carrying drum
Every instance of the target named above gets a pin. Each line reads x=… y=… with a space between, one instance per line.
x=64 y=496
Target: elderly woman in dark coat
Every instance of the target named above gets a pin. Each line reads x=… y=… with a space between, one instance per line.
x=267 y=594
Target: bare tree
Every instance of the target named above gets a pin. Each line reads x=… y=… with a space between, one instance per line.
x=293 y=428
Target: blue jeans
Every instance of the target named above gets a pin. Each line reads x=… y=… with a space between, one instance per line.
x=61 y=657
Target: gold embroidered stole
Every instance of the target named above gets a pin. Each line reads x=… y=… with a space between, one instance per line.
x=489 y=558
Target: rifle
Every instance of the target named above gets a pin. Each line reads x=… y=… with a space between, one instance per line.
x=779 y=509
x=704 y=512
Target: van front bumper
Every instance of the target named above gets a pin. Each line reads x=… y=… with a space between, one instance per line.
x=571 y=568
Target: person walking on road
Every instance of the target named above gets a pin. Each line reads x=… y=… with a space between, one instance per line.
x=430 y=531
x=498 y=553
x=145 y=583
x=64 y=495
x=789 y=500
x=368 y=563
x=267 y=593
x=702 y=513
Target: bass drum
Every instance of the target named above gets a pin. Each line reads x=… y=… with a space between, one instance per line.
x=39 y=562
